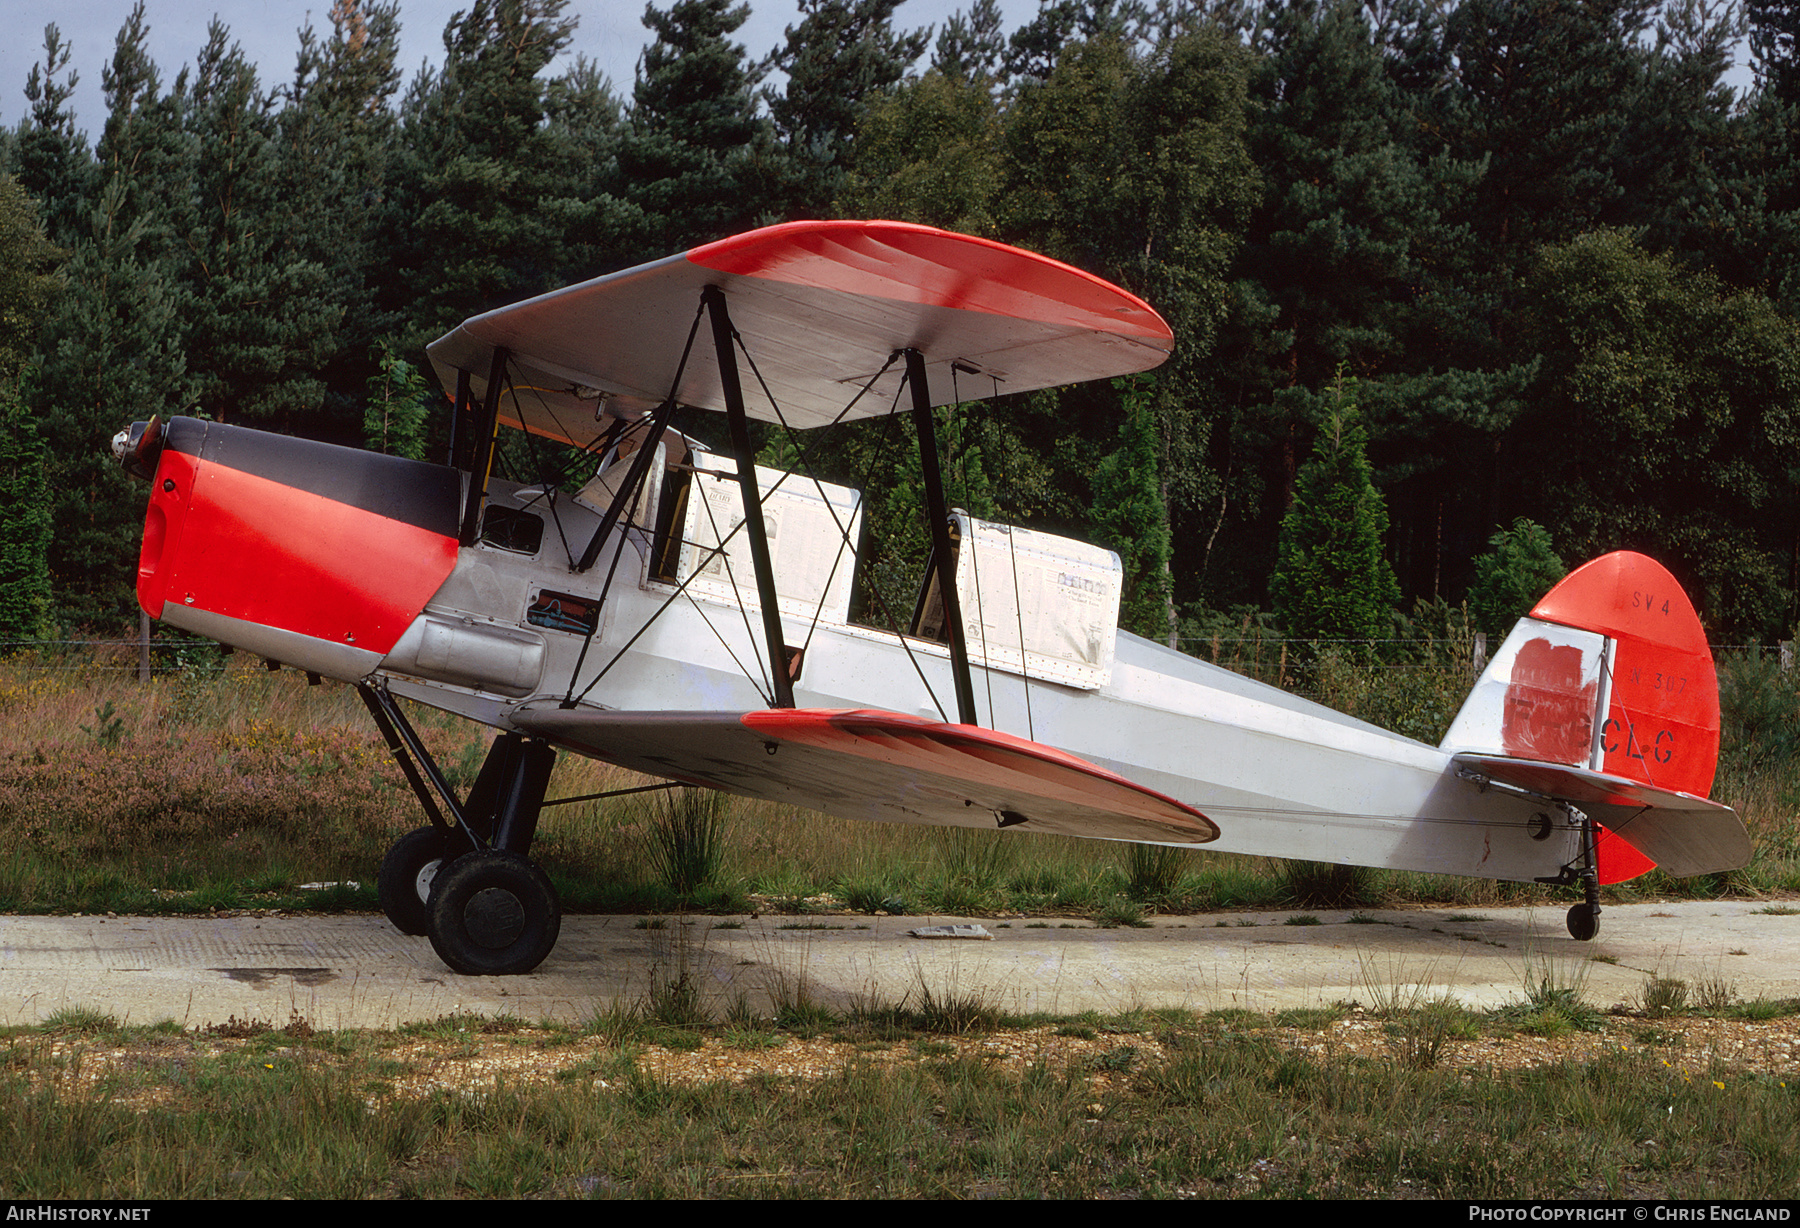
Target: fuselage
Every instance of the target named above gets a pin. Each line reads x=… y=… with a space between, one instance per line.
x=372 y=584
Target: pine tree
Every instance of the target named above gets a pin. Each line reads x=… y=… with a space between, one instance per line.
x=843 y=54
x=1331 y=578
x=688 y=161
x=113 y=348
x=1520 y=566
x=335 y=135
x=25 y=610
x=51 y=160
x=27 y=284
x=484 y=194
x=1131 y=514
x=1775 y=46
x=970 y=47
x=251 y=363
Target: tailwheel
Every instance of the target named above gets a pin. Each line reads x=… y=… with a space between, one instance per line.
x=1584 y=922
x=404 y=880
x=493 y=913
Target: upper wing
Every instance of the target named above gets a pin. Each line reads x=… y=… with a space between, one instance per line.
x=821 y=308
x=877 y=765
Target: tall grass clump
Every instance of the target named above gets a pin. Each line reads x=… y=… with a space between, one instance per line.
x=1323 y=884
x=1153 y=872
x=687 y=838
x=973 y=865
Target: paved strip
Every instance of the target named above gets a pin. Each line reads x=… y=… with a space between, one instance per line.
x=358 y=972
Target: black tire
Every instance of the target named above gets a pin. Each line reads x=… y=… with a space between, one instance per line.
x=1584 y=922
x=404 y=880
x=493 y=914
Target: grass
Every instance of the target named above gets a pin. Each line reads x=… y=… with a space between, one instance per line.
x=1164 y=1104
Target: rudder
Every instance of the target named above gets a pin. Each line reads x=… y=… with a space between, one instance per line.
x=1611 y=672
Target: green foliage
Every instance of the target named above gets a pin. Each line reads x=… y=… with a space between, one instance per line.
x=108 y=726
x=1759 y=714
x=926 y=152
x=1667 y=414
x=248 y=364
x=1564 y=274
x=842 y=55
x=686 y=158
x=1413 y=686
x=492 y=189
x=25 y=595
x=399 y=407
x=1130 y=514
x=1518 y=569
x=1331 y=578
x=27 y=276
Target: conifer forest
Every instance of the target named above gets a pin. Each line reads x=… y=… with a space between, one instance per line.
x=1461 y=288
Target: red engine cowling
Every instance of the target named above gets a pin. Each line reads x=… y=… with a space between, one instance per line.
x=307 y=553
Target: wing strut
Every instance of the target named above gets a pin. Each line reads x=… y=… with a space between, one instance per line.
x=481 y=462
x=751 y=493
x=941 y=559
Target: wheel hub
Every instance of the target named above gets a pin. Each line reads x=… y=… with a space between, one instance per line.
x=495 y=918
x=422 y=880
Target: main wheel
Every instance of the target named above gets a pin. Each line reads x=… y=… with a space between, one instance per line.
x=493 y=914
x=404 y=880
x=1584 y=922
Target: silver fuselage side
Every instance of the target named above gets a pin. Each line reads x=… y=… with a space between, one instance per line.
x=1281 y=776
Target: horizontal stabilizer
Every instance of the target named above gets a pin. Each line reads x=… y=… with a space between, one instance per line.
x=878 y=765
x=1681 y=833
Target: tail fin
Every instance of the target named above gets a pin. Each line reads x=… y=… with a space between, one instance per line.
x=1611 y=672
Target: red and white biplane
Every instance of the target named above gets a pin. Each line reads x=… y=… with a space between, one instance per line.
x=688 y=615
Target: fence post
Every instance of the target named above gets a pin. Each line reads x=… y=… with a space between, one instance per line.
x=1787 y=655
x=143 y=645
x=1480 y=653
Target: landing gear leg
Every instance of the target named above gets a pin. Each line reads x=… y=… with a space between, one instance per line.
x=1584 y=918
x=465 y=881
x=493 y=912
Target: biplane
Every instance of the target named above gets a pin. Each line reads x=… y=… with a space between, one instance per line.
x=688 y=614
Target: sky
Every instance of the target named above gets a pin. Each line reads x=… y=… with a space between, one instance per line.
x=611 y=33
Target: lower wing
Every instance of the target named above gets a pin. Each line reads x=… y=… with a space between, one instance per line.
x=865 y=764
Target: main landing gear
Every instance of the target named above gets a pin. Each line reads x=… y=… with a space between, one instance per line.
x=465 y=881
x=1584 y=918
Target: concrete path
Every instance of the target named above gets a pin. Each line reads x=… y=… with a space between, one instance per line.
x=357 y=972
